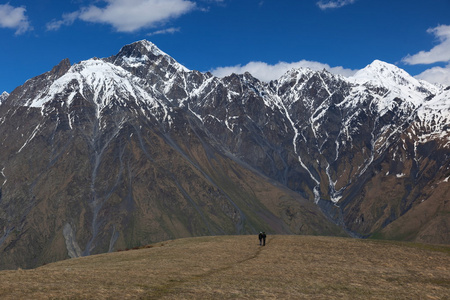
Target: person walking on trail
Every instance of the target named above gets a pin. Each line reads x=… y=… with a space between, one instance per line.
x=260 y=236
x=263 y=238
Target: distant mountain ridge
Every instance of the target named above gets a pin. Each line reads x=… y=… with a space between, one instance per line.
x=136 y=148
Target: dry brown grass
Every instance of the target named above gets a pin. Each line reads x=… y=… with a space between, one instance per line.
x=224 y=267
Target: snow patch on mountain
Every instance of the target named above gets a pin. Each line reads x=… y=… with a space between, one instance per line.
x=434 y=119
x=135 y=62
x=104 y=81
x=3 y=97
x=394 y=83
x=389 y=76
x=391 y=89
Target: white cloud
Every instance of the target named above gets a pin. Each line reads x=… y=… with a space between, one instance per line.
x=334 y=3
x=266 y=72
x=14 y=18
x=128 y=15
x=67 y=20
x=439 y=53
x=171 y=30
x=436 y=75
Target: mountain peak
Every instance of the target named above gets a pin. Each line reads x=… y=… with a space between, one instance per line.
x=61 y=68
x=149 y=47
x=380 y=73
x=139 y=53
x=139 y=49
x=381 y=64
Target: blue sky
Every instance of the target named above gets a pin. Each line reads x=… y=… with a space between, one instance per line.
x=265 y=37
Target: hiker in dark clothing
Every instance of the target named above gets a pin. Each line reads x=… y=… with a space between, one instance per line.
x=260 y=236
x=263 y=238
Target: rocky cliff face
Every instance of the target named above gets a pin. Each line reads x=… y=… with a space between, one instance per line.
x=135 y=148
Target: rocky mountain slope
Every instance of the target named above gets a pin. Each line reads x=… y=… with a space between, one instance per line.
x=135 y=148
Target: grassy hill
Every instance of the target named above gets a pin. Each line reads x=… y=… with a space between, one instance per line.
x=223 y=267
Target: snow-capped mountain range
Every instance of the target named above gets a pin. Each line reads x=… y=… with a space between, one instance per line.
x=371 y=151
x=124 y=77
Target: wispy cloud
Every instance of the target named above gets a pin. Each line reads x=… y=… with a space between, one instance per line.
x=267 y=72
x=171 y=30
x=67 y=20
x=439 y=53
x=330 y=4
x=128 y=15
x=14 y=18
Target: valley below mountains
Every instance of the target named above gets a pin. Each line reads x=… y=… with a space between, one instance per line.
x=134 y=149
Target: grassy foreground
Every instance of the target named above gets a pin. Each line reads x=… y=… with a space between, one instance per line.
x=223 y=267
